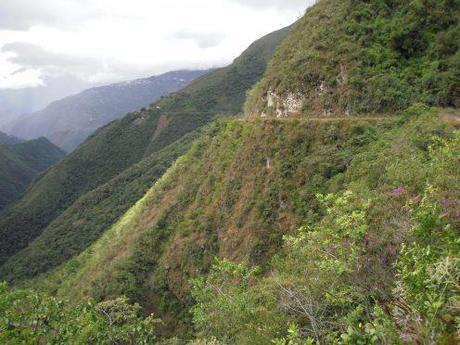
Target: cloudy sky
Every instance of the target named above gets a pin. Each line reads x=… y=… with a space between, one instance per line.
x=101 y=41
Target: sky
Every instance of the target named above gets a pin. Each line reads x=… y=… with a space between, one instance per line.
x=103 y=41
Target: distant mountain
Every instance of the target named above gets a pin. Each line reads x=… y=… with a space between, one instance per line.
x=21 y=163
x=68 y=122
x=17 y=102
x=6 y=139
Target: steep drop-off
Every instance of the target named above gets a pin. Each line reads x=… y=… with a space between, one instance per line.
x=336 y=229
x=111 y=151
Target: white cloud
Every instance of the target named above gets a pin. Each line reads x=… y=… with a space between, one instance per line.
x=31 y=55
x=110 y=40
x=202 y=39
x=23 y=14
x=280 y=4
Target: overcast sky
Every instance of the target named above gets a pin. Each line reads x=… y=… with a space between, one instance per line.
x=101 y=41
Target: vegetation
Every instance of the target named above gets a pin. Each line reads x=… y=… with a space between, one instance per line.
x=245 y=185
x=21 y=163
x=298 y=230
x=29 y=317
x=360 y=56
x=88 y=217
x=53 y=205
x=327 y=281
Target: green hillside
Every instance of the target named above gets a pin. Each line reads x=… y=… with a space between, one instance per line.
x=57 y=205
x=246 y=184
x=329 y=215
x=21 y=163
x=357 y=56
x=89 y=215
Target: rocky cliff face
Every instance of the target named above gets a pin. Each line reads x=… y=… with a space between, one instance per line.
x=282 y=106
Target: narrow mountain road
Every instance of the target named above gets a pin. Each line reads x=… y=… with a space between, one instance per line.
x=324 y=119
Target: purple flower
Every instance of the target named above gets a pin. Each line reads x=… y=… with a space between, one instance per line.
x=398 y=191
x=445 y=202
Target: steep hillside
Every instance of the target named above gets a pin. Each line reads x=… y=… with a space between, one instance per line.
x=357 y=56
x=111 y=151
x=84 y=221
x=241 y=188
x=21 y=163
x=336 y=226
x=6 y=139
x=69 y=121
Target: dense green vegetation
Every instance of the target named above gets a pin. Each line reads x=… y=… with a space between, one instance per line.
x=334 y=281
x=367 y=56
x=246 y=184
x=108 y=153
x=21 y=163
x=221 y=198
x=28 y=317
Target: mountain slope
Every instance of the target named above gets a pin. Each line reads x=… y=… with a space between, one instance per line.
x=244 y=185
x=356 y=56
x=328 y=229
x=69 y=121
x=21 y=163
x=111 y=151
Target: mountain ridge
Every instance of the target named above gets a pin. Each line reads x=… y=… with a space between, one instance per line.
x=328 y=213
x=69 y=121
x=6 y=139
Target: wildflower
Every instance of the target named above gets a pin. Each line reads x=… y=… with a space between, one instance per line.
x=445 y=202
x=398 y=191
